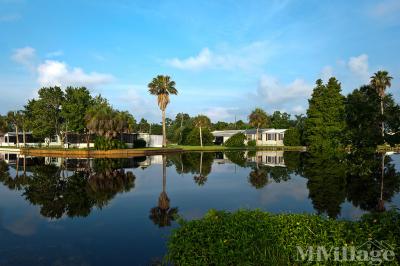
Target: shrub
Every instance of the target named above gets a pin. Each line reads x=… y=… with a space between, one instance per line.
x=249 y=237
x=102 y=143
x=193 y=139
x=292 y=137
x=252 y=143
x=139 y=143
x=236 y=140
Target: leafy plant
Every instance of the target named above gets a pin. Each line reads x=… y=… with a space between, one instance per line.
x=236 y=140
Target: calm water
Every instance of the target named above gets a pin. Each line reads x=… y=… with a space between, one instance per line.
x=57 y=211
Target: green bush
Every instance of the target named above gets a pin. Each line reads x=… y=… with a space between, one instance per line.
x=292 y=137
x=102 y=143
x=236 y=140
x=193 y=139
x=253 y=237
x=252 y=143
x=139 y=143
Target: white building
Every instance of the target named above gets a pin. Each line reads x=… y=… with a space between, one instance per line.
x=266 y=137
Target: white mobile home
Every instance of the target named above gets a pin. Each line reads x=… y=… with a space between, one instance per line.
x=265 y=137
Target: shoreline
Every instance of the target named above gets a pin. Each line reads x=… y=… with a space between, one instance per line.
x=123 y=153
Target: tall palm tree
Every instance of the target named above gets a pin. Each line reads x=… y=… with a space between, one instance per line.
x=162 y=87
x=201 y=121
x=258 y=118
x=380 y=81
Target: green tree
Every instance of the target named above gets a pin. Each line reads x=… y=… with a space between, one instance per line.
x=363 y=118
x=44 y=113
x=14 y=119
x=143 y=126
x=3 y=124
x=202 y=121
x=162 y=87
x=325 y=121
x=292 y=137
x=74 y=107
x=258 y=118
x=380 y=81
x=193 y=137
x=281 y=120
x=236 y=140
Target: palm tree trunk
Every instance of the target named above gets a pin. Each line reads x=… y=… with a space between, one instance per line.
x=17 y=167
x=201 y=163
x=164 y=129
x=16 y=136
x=164 y=165
x=383 y=122
x=24 y=165
x=24 y=136
x=257 y=136
x=201 y=138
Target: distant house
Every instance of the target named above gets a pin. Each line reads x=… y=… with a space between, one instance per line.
x=74 y=140
x=266 y=137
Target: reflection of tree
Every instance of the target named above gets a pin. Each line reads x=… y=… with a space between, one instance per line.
x=162 y=215
x=258 y=177
x=371 y=180
x=200 y=178
x=186 y=163
x=74 y=193
x=326 y=174
x=237 y=157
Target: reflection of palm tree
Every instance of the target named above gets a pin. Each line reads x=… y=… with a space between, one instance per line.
x=258 y=178
x=381 y=203
x=162 y=215
x=200 y=179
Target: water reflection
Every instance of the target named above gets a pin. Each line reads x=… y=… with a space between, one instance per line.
x=73 y=187
x=162 y=215
x=70 y=187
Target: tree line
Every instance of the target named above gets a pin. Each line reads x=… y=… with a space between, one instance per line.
x=366 y=117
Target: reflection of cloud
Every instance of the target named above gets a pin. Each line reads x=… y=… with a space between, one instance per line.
x=276 y=191
x=192 y=214
x=24 y=226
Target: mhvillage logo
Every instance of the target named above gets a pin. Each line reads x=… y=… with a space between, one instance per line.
x=373 y=252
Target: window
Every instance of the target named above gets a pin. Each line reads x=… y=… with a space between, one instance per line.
x=281 y=136
x=249 y=137
x=259 y=136
x=271 y=136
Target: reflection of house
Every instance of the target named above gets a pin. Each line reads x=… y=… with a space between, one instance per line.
x=269 y=158
x=266 y=137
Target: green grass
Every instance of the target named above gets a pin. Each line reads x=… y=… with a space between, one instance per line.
x=253 y=237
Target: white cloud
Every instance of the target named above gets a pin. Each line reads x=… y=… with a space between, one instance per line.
x=359 y=66
x=326 y=73
x=247 y=57
x=299 y=109
x=219 y=113
x=202 y=60
x=24 y=56
x=272 y=91
x=51 y=73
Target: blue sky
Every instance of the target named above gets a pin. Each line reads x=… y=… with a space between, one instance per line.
x=227 y=57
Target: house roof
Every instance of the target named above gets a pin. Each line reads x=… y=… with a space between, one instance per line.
x=229 y=133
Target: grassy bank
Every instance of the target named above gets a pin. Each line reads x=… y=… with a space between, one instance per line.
x=258 y=238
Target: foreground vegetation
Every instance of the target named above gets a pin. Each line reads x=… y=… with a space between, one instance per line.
x=253 y=237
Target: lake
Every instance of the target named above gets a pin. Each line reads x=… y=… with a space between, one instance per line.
x=57 y=211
